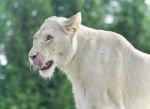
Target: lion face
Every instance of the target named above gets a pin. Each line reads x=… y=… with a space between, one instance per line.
x=54 y=44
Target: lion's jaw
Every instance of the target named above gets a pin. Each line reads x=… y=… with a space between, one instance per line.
x=47 y=73
x=45 y=66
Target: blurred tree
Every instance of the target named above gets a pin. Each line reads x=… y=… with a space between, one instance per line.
x=20 y=88
x=93 y=12
x=130 y=22
x=65 y=7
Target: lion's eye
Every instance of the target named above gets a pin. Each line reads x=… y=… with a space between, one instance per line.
x=49 y=37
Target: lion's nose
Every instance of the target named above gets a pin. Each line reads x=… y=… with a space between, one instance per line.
x=37 y=59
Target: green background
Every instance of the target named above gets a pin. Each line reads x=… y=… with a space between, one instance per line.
x=22 y=88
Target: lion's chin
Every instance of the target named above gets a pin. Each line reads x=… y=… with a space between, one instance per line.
x=47 y=73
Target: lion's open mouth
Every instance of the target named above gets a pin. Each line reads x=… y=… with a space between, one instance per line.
x=47 y=65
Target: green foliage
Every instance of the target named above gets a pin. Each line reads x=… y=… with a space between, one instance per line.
x=21 y=88
x=65 y=7
x=129 y=21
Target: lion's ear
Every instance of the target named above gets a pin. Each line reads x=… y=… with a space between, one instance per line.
x=72 y=24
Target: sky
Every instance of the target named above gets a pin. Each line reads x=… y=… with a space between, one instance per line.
x=3 y=60
x=147 y=2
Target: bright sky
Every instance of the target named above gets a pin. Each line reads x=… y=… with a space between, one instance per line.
x=147 y=2
x=3 y=60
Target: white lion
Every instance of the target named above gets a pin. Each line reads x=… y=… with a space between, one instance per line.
x=105 y=70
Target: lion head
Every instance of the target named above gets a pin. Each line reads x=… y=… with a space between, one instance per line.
x=54 y=44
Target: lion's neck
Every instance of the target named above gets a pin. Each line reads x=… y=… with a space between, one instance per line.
x=75 y=69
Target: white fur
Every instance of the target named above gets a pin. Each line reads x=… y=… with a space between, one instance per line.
x=105 y=70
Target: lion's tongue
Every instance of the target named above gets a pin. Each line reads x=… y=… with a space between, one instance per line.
x=38 y=61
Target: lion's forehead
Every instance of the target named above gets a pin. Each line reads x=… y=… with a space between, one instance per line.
x=51 y=26
x=45 y=29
